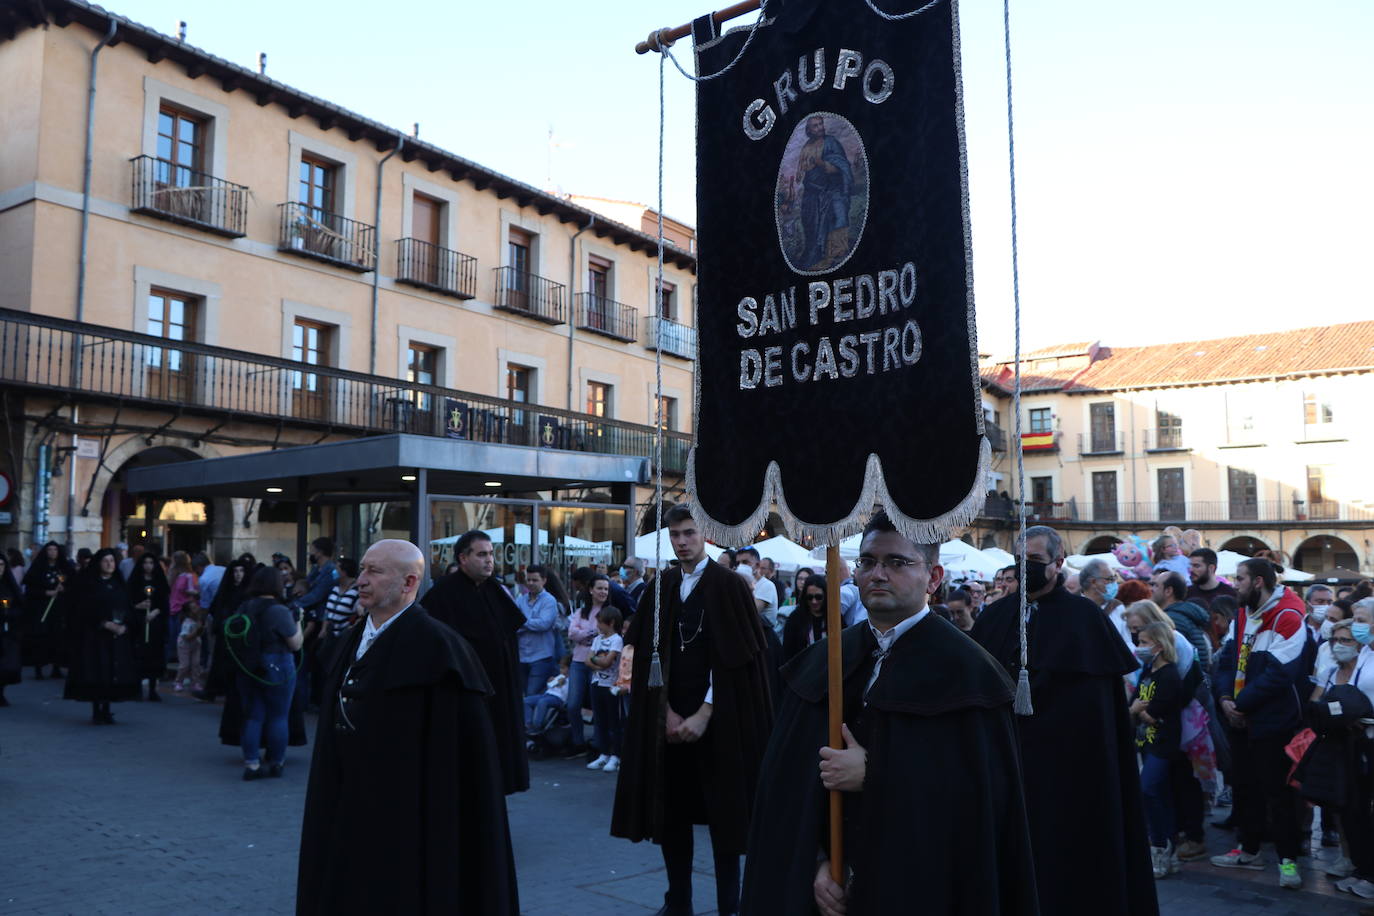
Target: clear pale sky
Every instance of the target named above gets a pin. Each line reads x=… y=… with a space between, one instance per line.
x=1185 y=170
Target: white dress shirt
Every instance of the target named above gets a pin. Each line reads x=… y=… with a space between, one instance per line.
x=371 y=632
x=888 y=639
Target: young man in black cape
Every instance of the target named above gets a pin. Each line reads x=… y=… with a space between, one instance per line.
x=404 y=812
x=692 y=747
x=476 y=605
x=1078 y=755
x=934 y=819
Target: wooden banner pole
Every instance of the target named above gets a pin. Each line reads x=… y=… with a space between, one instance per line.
x=660 y=37
x=834 y=575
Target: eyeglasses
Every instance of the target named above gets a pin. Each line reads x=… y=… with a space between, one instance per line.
x=891 y=564
x=815 y=597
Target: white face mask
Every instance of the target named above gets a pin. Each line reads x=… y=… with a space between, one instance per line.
x=1326 y=629
x=1343 y=653
x=1319 y=612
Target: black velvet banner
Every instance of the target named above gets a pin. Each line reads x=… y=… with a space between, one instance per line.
x=838 y=359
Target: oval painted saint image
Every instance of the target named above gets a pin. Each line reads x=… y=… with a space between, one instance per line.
x=822 y=195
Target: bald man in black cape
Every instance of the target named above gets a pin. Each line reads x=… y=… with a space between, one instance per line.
x=476 y=605
x=404 y=812
x=934 y=819
x=1078 y=751
x=692 y=747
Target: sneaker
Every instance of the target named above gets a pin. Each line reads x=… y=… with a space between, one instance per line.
x=1347 y=883
x=612 y=765
x=1341 y=868
x=1288 y=875
x=1223 y=798
x=1363 y=888
x=1239 y=858
x=1159 y=860
x=1189 y=850
x=177 y=688
x=599 y=762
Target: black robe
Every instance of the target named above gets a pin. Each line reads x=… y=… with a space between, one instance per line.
x=103 y=666
x=730 y=752
x=151 y=638
x=798 y=632
x=1078 y=756
x=11 y=612
x=43 y=639
x=486 y=616
x=941 y=820
x=404 y=812
x=223 y=672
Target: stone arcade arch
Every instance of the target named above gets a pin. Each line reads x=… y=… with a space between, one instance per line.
x=1247 y=544
x=115 y=504
x=1322 y=551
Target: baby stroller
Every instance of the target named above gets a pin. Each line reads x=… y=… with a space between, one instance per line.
x=552 y=737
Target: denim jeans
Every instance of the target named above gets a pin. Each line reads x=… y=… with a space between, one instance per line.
x=606 y=720
x=1159 y=798
x=538 y=707
x=579 y=682
x=536 y=674
x=265 y=707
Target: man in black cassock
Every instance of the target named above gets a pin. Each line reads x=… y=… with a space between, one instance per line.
x=934 y=818
x=1078 y=754
x=404 y=812
x=477 y=606
x=692 y=747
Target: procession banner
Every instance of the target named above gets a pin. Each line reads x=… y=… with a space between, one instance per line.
x=838 y=357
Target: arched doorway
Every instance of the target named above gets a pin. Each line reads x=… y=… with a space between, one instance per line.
x=1249 y=546
x=1103 y=543
x=1325 y=551
x=172 y=525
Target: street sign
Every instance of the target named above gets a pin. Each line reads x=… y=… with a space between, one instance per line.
x=87 y=448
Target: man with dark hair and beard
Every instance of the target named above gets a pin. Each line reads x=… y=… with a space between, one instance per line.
x=480 y=609
x=929 y=775
x=693 y=745
x=404 y=812
x=1267 y=654
x=1078 y=753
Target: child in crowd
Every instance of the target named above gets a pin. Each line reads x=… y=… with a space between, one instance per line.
x=542 y=708
x=188 y=647
x=1166 y=554
x=604 y=661
x=1159 y=709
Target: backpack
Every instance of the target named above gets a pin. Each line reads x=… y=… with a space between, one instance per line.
x=243 y=636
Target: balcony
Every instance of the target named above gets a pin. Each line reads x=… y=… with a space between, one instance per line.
x=1164 y=439
x=323 y=236
x=670 y=337
x=182 y=195
x=1098 y=445
x=54 y=356
x=997 y=437
x=606 y=317
x=1216 y=512
x=529 y=295
x=439 y=269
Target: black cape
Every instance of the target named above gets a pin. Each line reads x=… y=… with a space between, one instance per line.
x=406 y=815
x=151 y=637
x=486 y=616
x=103 y=666
x=11 y=613
x=941 y=820
x=741 y=716
x=1078 y=756
x=42 y=640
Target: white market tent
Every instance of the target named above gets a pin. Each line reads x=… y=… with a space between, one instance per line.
x=785 y=554
x=644 y=548
x=1228 y=560
x=1000 y=556
x=1078 y=560
x=959 y=559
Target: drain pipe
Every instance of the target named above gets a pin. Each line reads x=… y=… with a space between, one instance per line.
x=377 y=253
x=86 y=183
x=572 y=305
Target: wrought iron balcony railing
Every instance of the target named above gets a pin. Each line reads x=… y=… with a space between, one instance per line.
x=1091 y=444
x=52 y=355
x=440 y=269
x=1164 y=512
x=997 y=437
x=670 y=337
x=532 y=296
x=1164 y=439
x=315 y=233
x=184 y=195
x=606 y=317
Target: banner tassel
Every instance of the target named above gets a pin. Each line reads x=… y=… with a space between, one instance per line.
x=1022 y=704
x=655 y=672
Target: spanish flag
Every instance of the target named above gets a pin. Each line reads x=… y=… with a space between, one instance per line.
x=1036 y=442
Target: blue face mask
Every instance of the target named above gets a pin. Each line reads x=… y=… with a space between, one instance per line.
x=1111 y=590
x=1361 y=633
x=1145 y=655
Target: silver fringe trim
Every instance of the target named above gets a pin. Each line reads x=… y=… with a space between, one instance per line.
x=874 y=494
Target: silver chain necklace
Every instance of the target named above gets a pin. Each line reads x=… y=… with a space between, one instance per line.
x=683 y=641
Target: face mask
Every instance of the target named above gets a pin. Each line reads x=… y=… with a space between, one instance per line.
x=1326 y=629
x=1036 y=576
x=1361 y=633
x=1145 y=654
x=1343 y=653
x=1110 y=591
x=1319 y=612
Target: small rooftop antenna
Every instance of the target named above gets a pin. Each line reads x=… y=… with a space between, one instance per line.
x=181 y=30
x=262 y=63
x=415 y=130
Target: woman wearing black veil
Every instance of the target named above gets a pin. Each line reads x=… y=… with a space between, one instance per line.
x=232 y=591
x=150 y=595
x=11 y=607
x=46 y=584
x=104 y=666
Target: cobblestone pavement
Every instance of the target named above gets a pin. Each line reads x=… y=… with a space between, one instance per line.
x=150 y=816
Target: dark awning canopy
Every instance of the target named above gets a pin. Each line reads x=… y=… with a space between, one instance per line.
x=378 y=465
